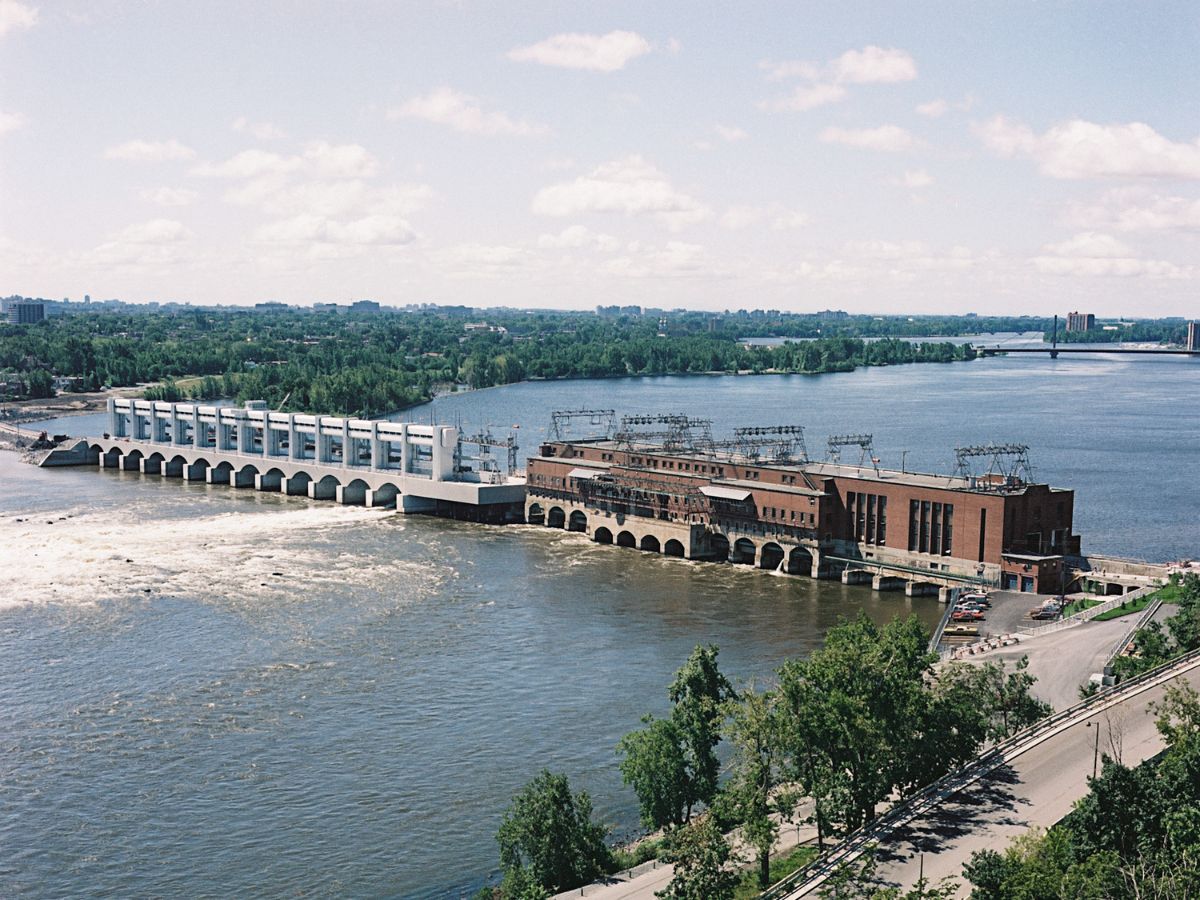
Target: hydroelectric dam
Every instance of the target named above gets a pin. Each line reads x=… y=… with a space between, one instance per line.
x=413 y=468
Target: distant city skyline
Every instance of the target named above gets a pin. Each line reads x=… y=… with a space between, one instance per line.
x=998 y=158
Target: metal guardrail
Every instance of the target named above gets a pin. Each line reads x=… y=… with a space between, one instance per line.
x=936 y=638
x=1085 y=615
x=1142 y=620
x=953 y=782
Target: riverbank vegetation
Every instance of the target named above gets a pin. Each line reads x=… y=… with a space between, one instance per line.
x=1136 y=834
x=373 y=363
x=862 y=720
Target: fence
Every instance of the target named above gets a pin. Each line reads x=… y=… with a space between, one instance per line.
x=812 y=875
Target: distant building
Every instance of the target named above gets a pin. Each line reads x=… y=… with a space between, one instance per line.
x=24 y=313
x=1193 y=337
x=364 y=306
x=1077 y=321
x=270 y=305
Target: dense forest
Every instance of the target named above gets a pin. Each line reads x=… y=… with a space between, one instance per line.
x=372 y=363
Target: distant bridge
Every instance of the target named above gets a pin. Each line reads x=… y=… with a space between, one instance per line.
x=1054 y=351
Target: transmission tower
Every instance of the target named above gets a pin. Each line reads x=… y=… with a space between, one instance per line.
x=1007 y=464
x=670 y=432
x=865 y=443
x=563 y=424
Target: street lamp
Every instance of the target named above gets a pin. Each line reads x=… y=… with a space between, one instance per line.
x=1096 y=747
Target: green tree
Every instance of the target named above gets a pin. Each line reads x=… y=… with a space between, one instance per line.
x=756 y=732
x=698 y=694
x=703 y=863
x=547 y=837
x=656 y=766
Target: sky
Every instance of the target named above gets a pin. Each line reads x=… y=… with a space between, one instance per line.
x=1000 y=157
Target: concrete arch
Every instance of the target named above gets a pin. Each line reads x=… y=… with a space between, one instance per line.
x=245 y=476
x=109 y=460
x=577 y=522
x=297 y=485
x=354 y=493
x=602 y=535
x=771 y=556
x=175 y=466
x=743 y=552
x=221 y=473
x=152 y=464
x=196 y=471
x=800 y=561
x=651 y=544
x=270 y=480
x=386 y=496
x=325 y=489
x=719 y=546
x=556 y=518
x=626 y=539
x=673 y=548
x=536 y=515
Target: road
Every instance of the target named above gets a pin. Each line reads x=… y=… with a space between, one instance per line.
x=1034 y=789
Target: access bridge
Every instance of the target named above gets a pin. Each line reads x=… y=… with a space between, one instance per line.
x=410 y=467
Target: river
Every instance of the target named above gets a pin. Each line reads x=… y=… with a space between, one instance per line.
x=207 y=692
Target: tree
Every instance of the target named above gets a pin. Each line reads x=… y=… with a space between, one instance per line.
x=1012 y=706
x=702 y=859
x=547 y=837
x=656 y=766
x=756 y=732
x=699 y=692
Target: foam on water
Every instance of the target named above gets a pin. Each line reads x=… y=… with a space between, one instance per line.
x=86 y=557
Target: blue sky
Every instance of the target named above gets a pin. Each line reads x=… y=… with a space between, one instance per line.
x=1008 y=157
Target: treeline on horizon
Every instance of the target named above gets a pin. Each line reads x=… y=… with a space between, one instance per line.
x=374 y=363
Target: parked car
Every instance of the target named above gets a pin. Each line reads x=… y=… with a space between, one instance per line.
x=966 y=615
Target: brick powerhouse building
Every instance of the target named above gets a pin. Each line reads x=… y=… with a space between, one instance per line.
x=896 y=529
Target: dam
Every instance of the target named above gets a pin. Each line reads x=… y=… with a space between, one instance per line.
x=432 y=469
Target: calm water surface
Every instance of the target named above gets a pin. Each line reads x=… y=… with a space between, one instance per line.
x=208 y=692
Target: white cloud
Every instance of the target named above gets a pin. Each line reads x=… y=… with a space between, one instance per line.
x=789 y=69
x=731 y=134
x=319 y=158
x=1135 y=209
x=773 y=215
x=675 y=259
x=826 y=83
x=446 y=106
x=157 y=242
x=1079 y=149
x=1093 y=254
x=14 y=15
x=787 y=220
x=594 y=52
x=630 y=186
x=887 y=138
x=577 y=237
x=150 y=151
x=156 y=231
x=373 y=230
x=933 y=109
x=340 y=160
x=805 y=97
x=11 y=122
x=264 y=131
x=168 y=196
x=915 y=179
x=874 y=65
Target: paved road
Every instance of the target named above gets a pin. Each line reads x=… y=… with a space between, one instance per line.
x=1063 y=660
x=1035 y=789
